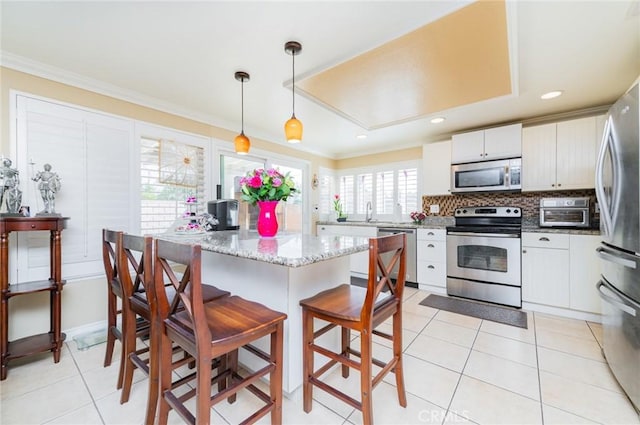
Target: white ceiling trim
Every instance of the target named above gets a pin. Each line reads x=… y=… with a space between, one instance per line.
x=39 y=69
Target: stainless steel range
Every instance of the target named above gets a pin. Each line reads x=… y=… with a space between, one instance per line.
x=483 y=255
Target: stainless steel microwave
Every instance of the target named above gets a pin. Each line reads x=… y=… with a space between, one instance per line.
x=487 y=176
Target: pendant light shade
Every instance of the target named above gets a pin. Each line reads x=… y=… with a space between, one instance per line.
x=242 y=142
x=293 y=127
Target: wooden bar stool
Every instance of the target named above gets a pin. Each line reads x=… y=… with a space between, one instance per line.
x=134 y=254
x=360 y=309
x=210 y=330
x=114 y=297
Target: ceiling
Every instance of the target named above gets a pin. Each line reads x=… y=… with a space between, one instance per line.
x=181 y=57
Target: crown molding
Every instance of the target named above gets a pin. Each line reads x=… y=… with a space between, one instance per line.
x=39 y=69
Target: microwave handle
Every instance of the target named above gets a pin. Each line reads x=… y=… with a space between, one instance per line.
x=506 y=176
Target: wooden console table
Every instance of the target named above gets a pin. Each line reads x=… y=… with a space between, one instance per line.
x=52 y=340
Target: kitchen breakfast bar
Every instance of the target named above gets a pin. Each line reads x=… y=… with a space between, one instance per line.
x=277 y=272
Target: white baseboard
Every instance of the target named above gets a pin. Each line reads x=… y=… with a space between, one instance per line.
x=564 y=312
x=85 y=329
x=433 y=289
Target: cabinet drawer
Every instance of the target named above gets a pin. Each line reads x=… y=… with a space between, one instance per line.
x=432 y=250
x=432 y=234
x=546 y=240
x=432 y=273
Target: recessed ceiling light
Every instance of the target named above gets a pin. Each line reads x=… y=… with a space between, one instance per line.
x=551 y=94
x=361 y=136
x=437 y=120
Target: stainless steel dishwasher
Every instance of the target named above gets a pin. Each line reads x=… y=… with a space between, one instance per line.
x=411 y=250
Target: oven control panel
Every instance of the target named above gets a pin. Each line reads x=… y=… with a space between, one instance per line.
x=488 y=212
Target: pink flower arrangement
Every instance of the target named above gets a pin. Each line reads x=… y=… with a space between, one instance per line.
x=266 y=185
x=418 y=217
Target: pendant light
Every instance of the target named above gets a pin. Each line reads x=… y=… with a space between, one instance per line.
x=293 y=127
x=241 y=141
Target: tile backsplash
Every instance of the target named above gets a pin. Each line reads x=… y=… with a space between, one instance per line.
x=529 y=202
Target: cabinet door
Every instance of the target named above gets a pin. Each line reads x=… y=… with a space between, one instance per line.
x=539 y=157
x=584 y=272
x=503 y=142
x=436 y=168
x=545 y=276
x=467 y=147
x=576 y=154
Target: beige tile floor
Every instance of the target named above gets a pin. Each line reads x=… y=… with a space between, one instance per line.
x=458 y=370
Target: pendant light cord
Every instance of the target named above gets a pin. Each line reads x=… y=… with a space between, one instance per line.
x=293 y=88
x=242 y=104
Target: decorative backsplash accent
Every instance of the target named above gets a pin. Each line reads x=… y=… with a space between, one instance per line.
x=529 y=202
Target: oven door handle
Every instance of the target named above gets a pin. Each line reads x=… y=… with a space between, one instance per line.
x=492 y=235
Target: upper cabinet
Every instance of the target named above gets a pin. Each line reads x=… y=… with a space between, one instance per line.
x=560 y=156
x=436 y=168
x=485 y=145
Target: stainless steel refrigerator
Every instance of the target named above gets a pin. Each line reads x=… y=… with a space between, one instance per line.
x=617 y=187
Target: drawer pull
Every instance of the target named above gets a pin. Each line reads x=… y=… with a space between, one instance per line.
x=430 y=246
x=524 y=251
x=430 y=267
x=430 y=233
x=33 y=226
x=544 y=239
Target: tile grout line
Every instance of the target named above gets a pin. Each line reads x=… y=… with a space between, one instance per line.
x=460 y=377
x=93 y=400
x=535 y=339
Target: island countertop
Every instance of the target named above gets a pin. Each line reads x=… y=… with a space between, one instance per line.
x=285 y=249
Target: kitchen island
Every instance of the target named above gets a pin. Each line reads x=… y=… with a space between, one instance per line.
x=277 y=272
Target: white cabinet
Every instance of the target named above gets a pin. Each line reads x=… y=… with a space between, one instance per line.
x=436 y=168
x=431 y=257
x=584 y=273
x=560 y=156
x=359 y=261
x=561 y=270
x=545 y=269
x=484 y=145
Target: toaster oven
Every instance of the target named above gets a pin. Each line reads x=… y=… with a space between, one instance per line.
x=564 y=212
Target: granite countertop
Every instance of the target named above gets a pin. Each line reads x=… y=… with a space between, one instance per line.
x=570 y=231
x=431 y=222
x=285 y=249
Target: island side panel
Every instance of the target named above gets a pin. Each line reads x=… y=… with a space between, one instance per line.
x=280 y=288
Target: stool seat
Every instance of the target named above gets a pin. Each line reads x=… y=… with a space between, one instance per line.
x=343 y=302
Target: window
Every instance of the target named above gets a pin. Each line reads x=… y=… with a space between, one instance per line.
x=408 y=190
x=291 y=214
x=170 y=172
x=91 y=152
x=364 y=192
x=385 y=196
x=346 y=194
x=393 y=190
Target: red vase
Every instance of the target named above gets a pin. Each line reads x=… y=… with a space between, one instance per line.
x=267 y=220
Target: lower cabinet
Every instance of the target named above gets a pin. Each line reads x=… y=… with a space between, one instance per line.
x=432 y=257
x=561 y=270
x=545 y=269
x=360 y=261
x=584 y=273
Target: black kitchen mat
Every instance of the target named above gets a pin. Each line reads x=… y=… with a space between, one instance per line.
x=482 y=311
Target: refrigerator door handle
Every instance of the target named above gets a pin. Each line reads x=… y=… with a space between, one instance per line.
x=617 y=299
x=605 y=209
x=608 y=256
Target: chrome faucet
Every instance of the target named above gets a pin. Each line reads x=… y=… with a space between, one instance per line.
x=368 y=212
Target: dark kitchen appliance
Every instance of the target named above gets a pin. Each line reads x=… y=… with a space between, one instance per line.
x=617 y=180
x=411 y=266
x=225 y=211
x=565 y=212
x=483 y=255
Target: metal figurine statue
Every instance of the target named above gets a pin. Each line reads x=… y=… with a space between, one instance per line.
x=49 y=185
x=9 y=187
